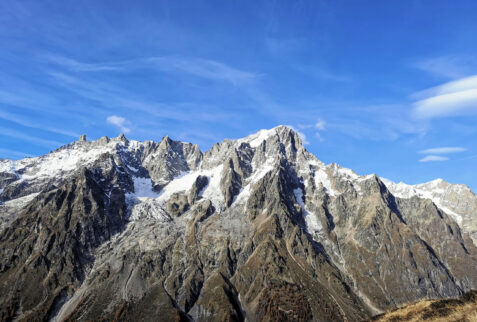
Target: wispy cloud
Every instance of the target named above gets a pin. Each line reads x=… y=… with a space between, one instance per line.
x=320 y=125
x=443 y=150
x=449 y=66
x=111 y=97
x=437 y=154
x=200 y=67
x=205 y=68
x=433 y=158
x=382 y=122
x=75 y=65
x=13 y=153
x=29 y=138
x=20 y=121
x=450 y=99
x=119 y=122
x=323 y=73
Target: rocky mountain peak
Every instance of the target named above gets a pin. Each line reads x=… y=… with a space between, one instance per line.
x=282 y=133
x=256 y=227
x=122 y=137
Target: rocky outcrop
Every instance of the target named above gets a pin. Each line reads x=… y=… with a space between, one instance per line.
x=47 y=252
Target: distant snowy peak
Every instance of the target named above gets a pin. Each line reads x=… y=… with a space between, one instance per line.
x=448 y=197
x=432 y=189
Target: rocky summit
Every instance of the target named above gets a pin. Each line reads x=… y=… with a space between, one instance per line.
x=255 y=229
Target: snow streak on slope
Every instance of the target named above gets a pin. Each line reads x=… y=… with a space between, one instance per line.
x=143 y=188
x=312 y=224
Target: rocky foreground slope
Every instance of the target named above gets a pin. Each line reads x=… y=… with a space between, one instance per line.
x=256 y=228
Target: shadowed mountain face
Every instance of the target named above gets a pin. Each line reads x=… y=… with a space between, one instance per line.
x=255 y=229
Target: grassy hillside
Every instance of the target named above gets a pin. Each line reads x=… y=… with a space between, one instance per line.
x=462 y=310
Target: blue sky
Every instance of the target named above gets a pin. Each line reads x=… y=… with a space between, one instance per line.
x=386 y=87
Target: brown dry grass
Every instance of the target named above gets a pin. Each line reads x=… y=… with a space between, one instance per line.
x=462 y=310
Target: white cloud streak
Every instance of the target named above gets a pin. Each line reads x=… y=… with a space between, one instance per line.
x=443 y=150
x=205 y=68
x=433 y=158
x=119 y=122
x=28 y=138
x=75 y=65
x=450 y=99
x=14 y=153
x=199 y=67
x=450 y=66
x=20 y=121
x=320 y=125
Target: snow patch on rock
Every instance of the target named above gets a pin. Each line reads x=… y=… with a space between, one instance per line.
x=212 y=190
x=312 y=223
x=256 y=139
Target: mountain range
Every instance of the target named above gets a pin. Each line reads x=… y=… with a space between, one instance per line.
x=254 y=229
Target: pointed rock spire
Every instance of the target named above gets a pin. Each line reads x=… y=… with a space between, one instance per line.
x=122 y=137
x=82 y=138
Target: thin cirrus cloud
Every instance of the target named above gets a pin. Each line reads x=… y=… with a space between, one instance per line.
x=450 y=66
x=75 y=65
x=443 y=150
x=320 y=125
x=25 y=123
x=120 y=122
x=450 y=99
x=29 y=138
x=438 y=154
x=15 y=153
x=204 y=68
x=434 y=158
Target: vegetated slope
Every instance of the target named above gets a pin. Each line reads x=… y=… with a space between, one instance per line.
x=463 y=309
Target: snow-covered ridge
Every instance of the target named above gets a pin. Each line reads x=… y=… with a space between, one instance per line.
x=254 y=140
x=65 y=159
x=332 y=178
x=434 y=190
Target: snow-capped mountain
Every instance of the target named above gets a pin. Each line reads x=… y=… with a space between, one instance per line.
x=256 y=228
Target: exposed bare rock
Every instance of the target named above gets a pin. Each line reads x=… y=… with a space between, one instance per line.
x=199 y=184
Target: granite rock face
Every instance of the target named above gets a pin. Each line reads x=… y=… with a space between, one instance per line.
x=254 y=229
